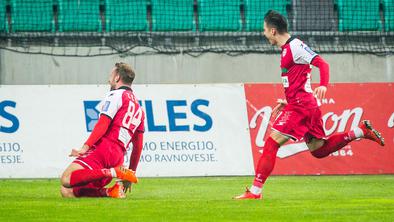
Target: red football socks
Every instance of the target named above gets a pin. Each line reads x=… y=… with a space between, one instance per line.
x=266 y=162
x=333 y=144
x=85 y=176
x=89 y=192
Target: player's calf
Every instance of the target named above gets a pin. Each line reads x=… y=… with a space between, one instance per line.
x=338 y=141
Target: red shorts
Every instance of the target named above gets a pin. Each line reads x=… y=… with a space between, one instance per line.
x=298 y=123
x=104 y=154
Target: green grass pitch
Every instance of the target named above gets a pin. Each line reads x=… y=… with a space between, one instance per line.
x=286 y=198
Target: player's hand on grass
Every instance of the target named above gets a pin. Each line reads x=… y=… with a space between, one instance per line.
x=278 y=108
x=126 y=186
x=77 y=153
x=320 y=92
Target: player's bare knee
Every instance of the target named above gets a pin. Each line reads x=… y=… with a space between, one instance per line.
x=65 y=180
x=66 y=176
x=315 y=144
x=279 y=138
x=66 y=192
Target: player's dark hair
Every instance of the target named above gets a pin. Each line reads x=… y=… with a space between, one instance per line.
x=125 y=72
x=275 y=20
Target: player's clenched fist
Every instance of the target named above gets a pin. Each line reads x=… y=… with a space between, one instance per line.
x=77 y=153
x=320 y=92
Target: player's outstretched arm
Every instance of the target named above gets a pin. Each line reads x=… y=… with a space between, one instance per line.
x=319 y=62
x=78 y=152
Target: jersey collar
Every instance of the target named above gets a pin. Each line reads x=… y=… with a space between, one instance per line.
x=288 y=41
x=125 y=88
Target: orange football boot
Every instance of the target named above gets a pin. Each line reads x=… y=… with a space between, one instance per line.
x=116 y=191
x=125 y=174
x=371 y=133
x=248 y=195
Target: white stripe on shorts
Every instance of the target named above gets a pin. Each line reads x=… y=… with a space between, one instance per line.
x=83 y=163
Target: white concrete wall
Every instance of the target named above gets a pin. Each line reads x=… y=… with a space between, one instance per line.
x=17 y=68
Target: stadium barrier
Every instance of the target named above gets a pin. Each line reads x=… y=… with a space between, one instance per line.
x=191 y=130
x=105 y=27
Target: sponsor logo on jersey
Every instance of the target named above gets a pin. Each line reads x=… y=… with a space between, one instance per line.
x=285 y=81
x=106 y=106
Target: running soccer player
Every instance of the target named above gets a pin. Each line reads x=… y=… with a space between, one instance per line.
x=100 y=159
x=299 y=117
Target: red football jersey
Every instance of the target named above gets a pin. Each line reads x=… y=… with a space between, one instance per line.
x=296 y=73
x=127 y=116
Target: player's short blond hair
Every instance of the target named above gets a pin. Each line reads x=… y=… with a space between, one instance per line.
x=125 y=72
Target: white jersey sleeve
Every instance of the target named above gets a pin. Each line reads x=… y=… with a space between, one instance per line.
x=302 y=54
x=111 y=103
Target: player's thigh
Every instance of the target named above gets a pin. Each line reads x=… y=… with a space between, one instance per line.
x=290 y=124
x=65 y=179
x=110 y=154
x=315 y=136
x=314 y=144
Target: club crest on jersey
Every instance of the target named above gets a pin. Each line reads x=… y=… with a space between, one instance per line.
x=106 y=106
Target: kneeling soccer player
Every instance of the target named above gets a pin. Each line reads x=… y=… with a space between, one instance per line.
x=100 y=159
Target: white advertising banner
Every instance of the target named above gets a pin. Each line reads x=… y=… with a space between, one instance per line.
x=190 y=130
